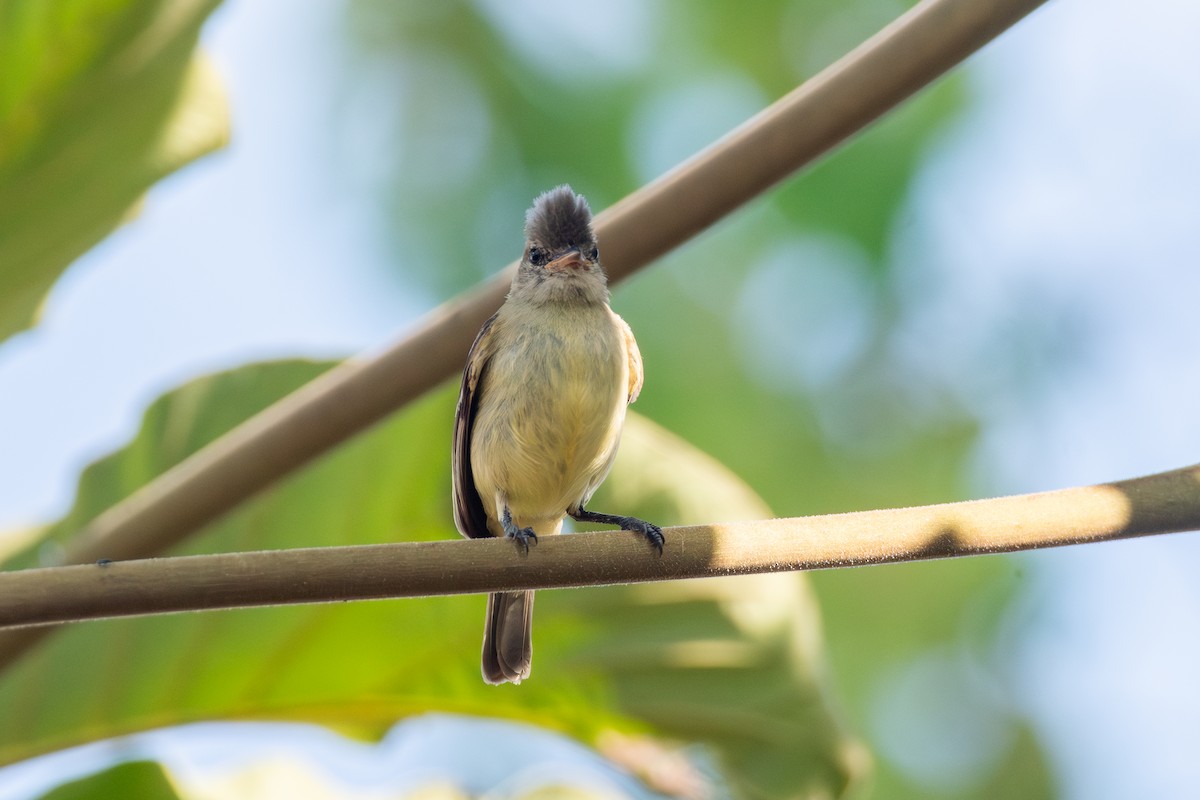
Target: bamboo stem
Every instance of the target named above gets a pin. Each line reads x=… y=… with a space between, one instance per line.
x=1163 y=503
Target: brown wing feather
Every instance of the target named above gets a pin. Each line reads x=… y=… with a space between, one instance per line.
x=635 y=361
x=469 y=516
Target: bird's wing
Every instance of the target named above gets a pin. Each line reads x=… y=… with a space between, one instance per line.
x=635 y=360
x=469 y=516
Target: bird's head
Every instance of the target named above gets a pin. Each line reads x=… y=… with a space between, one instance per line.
x=561 y=262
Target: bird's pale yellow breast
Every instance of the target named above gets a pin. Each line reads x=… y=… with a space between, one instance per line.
x=551 y=407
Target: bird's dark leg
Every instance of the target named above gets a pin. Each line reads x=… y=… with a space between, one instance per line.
x=520 y=535
x=652 y=532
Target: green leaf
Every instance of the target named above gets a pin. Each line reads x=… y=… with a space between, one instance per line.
x=98 y=100
x=144 y=780
x=732 y=664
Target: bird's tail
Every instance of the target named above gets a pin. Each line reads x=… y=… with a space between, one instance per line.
x=507 y=637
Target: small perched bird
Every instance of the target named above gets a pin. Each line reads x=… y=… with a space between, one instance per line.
x=541 y=408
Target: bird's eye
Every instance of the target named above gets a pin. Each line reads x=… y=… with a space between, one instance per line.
x=536 y=257
x=594 y=253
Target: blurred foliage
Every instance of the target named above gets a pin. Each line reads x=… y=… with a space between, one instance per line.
x=280 y=778
x=490 y=103
x=98 y=100
x=769 y=341
x=735 y=664
x=144 y=780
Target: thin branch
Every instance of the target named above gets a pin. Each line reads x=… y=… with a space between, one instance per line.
x=1164 y=503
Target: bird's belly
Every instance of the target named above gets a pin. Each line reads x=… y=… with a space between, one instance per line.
x=547 y=427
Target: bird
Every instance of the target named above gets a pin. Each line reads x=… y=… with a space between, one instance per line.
x=540 y=410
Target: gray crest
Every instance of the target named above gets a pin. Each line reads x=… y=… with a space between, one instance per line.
x=559 y=220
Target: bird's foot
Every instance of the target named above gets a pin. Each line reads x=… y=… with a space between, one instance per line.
x=652 y=532
x=521 y=536
x=649 y=530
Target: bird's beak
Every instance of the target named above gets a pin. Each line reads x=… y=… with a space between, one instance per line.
x=569 y=260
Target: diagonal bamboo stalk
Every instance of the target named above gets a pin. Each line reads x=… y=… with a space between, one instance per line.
x=859 y=88
x=1163 y=503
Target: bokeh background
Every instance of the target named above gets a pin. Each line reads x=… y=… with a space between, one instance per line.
x=991 y=291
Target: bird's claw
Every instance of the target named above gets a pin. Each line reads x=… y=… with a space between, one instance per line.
x=522 y=536
x=655 y=535
x=652 y=532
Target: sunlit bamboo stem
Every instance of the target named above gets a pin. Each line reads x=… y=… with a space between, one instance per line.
x=1163 y=503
